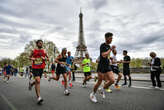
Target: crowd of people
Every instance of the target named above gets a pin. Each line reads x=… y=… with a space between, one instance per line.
x=64 y=65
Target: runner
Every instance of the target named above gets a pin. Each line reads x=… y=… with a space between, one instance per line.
x=115 y=68
x=7 y=70
x=53 y=67
x=30 y=75
x=38 y=58
x=61 y=69
x=68 y=67
x=126 y=69
x=86 y=64
x=74 y=68
x=27 y=72
x=104 y=68
x=103 y=78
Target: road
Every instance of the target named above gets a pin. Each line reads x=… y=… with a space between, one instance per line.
x=15 y=96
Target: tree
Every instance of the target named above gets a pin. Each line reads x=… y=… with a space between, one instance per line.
x=23 y=59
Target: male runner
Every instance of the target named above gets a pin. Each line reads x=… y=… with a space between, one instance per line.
x=86 y=63
x=115 y=68
x=38 y=57
x=68 y=67
x=104 y=68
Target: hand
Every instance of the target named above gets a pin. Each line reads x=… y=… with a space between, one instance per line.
x=32 y=59
x=113 y=47
x=43 y=57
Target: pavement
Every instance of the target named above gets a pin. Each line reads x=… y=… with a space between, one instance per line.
x=16 y=96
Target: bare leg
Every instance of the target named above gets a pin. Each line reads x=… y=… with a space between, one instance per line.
x=111 y=80
x=100 y=78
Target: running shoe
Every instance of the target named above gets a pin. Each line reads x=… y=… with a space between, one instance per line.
x=49 y=79
x=40 y=100
x=117 y=86
x=102 y=92
x=66 y=92
x=93 y=97
x=157 y=87
x=108 y=90
x=84 y=85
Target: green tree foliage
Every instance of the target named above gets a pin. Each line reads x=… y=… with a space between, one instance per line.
x=23 y=59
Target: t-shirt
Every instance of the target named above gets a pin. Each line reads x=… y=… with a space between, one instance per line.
x=86 y=68
x=114 y=58
x=39 y=63
x=104 y=48
x=126 y=65
x=69 y=60
x=8 y=68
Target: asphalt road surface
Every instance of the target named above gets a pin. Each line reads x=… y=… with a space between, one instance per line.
x=16 y=96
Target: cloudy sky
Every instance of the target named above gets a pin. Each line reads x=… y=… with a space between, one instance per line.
x=138 y=25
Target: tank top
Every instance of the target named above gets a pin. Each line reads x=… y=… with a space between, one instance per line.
x=63 y=59
x=39 y=63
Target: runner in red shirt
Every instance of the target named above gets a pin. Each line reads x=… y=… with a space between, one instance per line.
x=38 y=58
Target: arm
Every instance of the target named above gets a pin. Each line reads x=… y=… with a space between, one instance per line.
x=83 y=63
x=57 y=60
x=105 y=54
x=31 y=56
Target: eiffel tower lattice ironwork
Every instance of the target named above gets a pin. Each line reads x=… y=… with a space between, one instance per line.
x=81 y=48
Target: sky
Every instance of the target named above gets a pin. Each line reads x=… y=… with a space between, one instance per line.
x=137 y=25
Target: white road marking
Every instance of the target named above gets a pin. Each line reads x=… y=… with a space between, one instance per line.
x=8 y=102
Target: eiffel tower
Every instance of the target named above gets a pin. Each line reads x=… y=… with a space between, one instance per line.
x=81 y=48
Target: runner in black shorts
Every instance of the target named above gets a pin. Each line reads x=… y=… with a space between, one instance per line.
x=61 y=69
x=115 y=68
x=38 y=57
x=104 y=68
x=86 y=63
x=126 y=69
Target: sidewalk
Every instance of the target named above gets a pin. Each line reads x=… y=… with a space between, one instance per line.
x=135 y=77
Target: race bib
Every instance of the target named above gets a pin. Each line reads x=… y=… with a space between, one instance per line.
x=38 y=61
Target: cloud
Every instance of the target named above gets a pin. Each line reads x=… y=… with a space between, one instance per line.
x=137 y=25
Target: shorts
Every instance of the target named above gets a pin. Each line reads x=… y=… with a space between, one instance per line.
x=37 y=72
x=68 y=68
x=60 y=70
x=104 y=68
x=126 y=71
x=52 y=71
x=115 y=69
x=87 y=73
